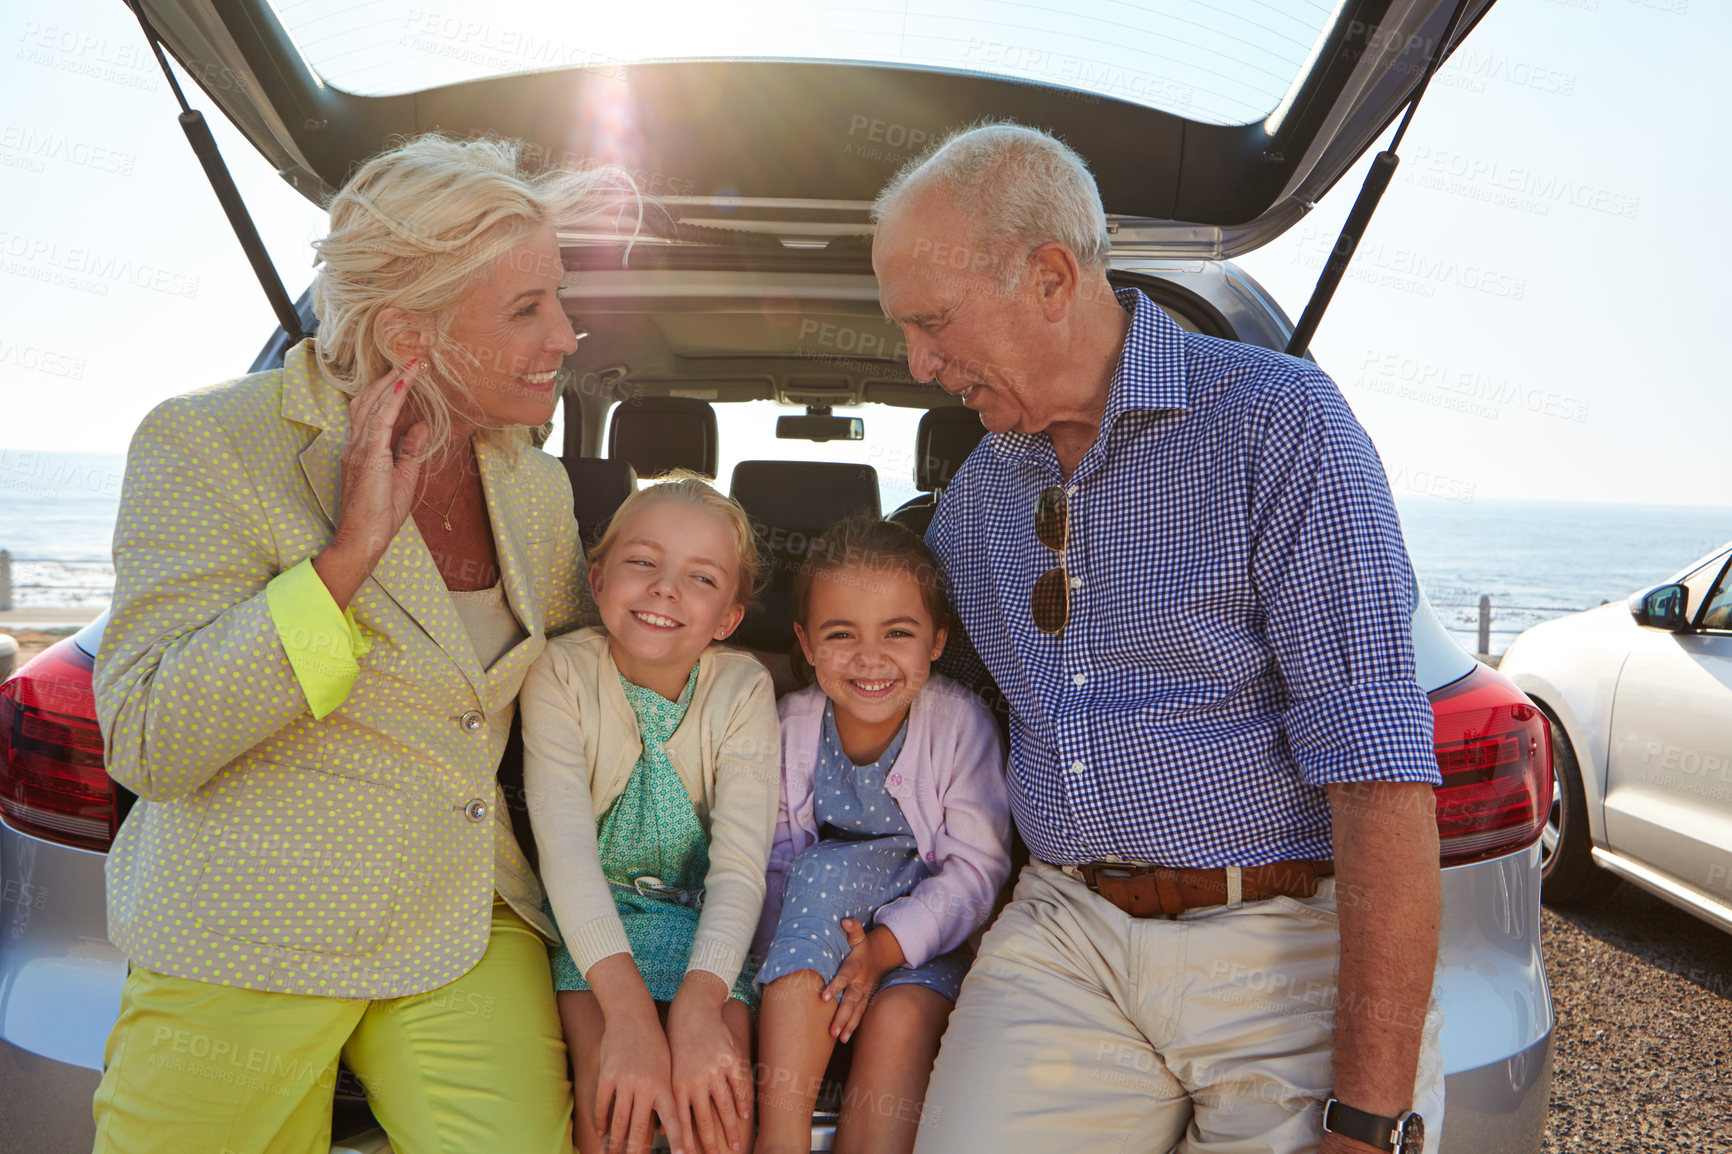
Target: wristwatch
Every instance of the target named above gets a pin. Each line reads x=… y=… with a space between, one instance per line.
x=1400 y=1135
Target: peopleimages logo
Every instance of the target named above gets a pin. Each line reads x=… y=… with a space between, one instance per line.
x=1409 y=269
x=1470 y=391
x=40 y=147
x=85 y=269
x=1541 y=187
x=37 y=359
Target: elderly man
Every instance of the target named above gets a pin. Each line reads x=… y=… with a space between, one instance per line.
x=1179 y=559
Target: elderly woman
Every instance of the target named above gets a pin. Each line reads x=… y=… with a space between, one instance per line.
x=331 y=579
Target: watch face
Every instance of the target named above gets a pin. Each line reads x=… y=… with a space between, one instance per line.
x=1413 y=1135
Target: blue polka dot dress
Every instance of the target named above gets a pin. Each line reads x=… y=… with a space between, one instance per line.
x=655 y=855
x=864 y=859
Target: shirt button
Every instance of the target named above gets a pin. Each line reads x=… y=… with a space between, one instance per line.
x=472 y=721
x=931 y=856
x=896 y=779
x=1076 y=582
x=476 y=810
x=1077 y=767
x=1079 y=678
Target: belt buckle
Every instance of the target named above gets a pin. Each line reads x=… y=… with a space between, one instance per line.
x=1117 y=871
x=650 y=886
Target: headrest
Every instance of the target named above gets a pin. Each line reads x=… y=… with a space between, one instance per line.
x=660 y=433
x=809 y=496
x=942 y=442
x=598 y=486
x=790 y=505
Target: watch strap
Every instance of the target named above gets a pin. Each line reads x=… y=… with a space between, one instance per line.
x=1371 y=1129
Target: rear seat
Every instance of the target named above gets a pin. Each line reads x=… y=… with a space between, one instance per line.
x=598 y=486
x=942 y=442
x=656 y=434
x=791 y=504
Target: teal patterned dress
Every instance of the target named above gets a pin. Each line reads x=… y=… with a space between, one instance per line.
x=655 y=855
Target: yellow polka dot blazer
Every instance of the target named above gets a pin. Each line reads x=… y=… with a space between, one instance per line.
x=319 y=811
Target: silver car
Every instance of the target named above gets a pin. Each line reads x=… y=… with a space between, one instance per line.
x=747 y=311
x=1639 y=698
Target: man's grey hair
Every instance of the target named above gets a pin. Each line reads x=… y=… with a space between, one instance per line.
x=1025 y=186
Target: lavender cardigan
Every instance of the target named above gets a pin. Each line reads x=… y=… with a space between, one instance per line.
x=949 y=781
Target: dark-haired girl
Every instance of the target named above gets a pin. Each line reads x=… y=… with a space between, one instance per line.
x=889 y=846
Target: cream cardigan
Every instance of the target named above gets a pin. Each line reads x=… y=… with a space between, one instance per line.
x=580 y=741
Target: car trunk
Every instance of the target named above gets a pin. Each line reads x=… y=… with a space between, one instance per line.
x=797 y=148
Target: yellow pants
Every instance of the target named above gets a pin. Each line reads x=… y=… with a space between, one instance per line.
x=472 y=1067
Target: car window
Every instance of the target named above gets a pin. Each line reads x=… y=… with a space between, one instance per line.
x=1700 y=579
x=746 y=431
x=1214 y=61
x=1718 y=613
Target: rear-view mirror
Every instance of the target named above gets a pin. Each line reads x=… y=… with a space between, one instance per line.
x=820 y=428
x=1663 y=607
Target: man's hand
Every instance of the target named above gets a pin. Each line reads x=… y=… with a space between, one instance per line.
x=870 y=957
x=1388 y=892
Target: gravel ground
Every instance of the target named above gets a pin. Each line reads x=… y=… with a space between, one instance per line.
x=1643 y=994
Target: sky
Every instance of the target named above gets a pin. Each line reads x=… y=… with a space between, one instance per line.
x=1523 y=320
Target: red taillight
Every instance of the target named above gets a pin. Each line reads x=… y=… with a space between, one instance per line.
x=1495 y=751
x=52 y=783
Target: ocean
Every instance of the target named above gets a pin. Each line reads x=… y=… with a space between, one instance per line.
x=1535 y=559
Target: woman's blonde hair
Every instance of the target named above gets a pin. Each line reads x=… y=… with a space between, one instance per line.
x=414 y=228
x=695 y=490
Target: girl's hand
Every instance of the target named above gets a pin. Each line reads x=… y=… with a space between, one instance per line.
x=635 y=1081
x=712 y=1081
x=378 y=483
x=870 y=957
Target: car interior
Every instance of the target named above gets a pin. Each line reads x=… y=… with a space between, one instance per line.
x=672 y=358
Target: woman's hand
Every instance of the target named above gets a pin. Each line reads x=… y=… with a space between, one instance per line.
x=870 y=957
x=378 y=485
x=712 y=1079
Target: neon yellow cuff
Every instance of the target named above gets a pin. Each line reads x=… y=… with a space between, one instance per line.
x=321 y=641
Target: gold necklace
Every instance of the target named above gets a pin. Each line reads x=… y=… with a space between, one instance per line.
x=446 y=515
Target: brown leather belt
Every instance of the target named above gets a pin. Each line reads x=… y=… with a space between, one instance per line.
x=1149 y=891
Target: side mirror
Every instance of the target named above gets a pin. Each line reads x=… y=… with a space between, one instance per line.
x=1664 y=607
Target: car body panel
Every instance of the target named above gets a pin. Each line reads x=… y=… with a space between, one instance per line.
x=1669 y=773
x=1575 y=683
x=769 y=134
x=46 y=1105
x=1499 y=1108
x=60 y=977
x=1491 y=976
x=1649 y=714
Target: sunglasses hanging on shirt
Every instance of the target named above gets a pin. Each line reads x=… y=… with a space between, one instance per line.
x=1049 y=600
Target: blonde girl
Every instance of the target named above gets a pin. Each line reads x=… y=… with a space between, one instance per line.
x=650 y=767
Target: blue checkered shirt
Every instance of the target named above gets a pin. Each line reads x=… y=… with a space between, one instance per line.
x=1240 y=611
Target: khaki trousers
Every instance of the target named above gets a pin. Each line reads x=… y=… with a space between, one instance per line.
x=1080 y=1028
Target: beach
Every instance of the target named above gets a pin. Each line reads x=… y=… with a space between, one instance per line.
x=1534 y=559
